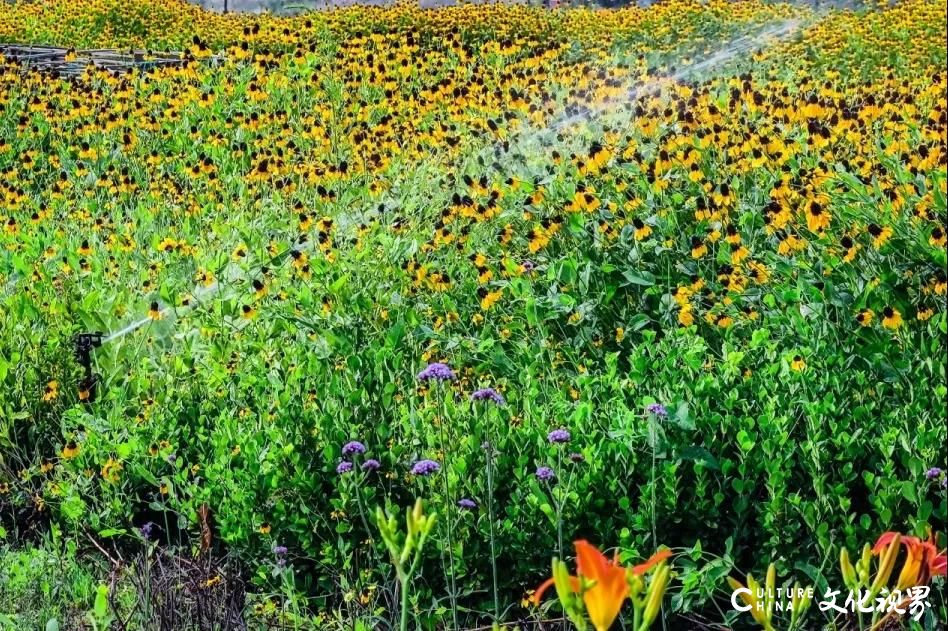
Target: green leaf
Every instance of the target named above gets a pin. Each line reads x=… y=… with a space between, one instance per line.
x=699 y=454
x=683 y=418
x=101 y=607
x=639 y=277
x=111 y=532
x=638 y=321
x=532 y=318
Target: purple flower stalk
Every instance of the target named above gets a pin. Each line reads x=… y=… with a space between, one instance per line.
x=425 y=467
x=145 y=530
x=545 y=474
x=371 y=465
x=657 y=409
x=933 y=473
x=279 y=550
x=558 y=436
x=487 y=394
x=438 y=372
x=467 y=504
x=353 y=447
x=344 y=467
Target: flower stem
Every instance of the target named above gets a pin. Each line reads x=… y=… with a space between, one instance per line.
x=447 y=514
x=490 y=518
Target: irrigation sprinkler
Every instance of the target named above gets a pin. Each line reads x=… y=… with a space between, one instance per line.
x=85 y=343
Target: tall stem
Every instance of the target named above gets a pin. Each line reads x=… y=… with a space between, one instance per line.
x=489 y=451
x=559 y=504
x=403 y=584
x=653 y=439
x=365 y=522
x=447 y=512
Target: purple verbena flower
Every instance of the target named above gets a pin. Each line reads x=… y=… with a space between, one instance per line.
x=145 y=530
x=353 y=447
x=425 y=467
x=371 y=465
x=467 y=504
x=933 y=473
x=558 y=436
x=577 y=457
x=436 y=371
x=545 y=474
x=487 y=394
x=344 y=467
x=528 y=265
x=657 y=409
x=279 y=550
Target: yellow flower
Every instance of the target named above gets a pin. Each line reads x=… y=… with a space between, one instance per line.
x=891 y=318
x=51 y=391
x=686 y=317
x=489 y=298
x=111 y=470
x=798 y=363
x=71 y=450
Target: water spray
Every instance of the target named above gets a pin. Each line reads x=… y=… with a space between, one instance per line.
x=85 y=343
x=732 y=50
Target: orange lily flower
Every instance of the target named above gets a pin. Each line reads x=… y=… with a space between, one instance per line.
x=602 y=582
x=923 y=560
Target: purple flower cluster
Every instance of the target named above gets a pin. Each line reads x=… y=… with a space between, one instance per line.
x=353 y=447
x=280 y=553
x=467 y=504
x=558 y=436
x=349 y=451
x=487 y=394
x=438 y=372
x=545 y=474
x=657 y=409
x=425 y=467
x=577 y=457
x=145 y=530
x=934 y=473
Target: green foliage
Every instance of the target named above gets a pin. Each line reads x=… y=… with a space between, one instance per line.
x=307 y=235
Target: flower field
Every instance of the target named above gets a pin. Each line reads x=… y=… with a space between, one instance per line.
x=668 y=282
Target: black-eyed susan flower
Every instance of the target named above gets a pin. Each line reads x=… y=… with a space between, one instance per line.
x=891 y=318
x=111 y=470
x=51 y=391
x=70 y=450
